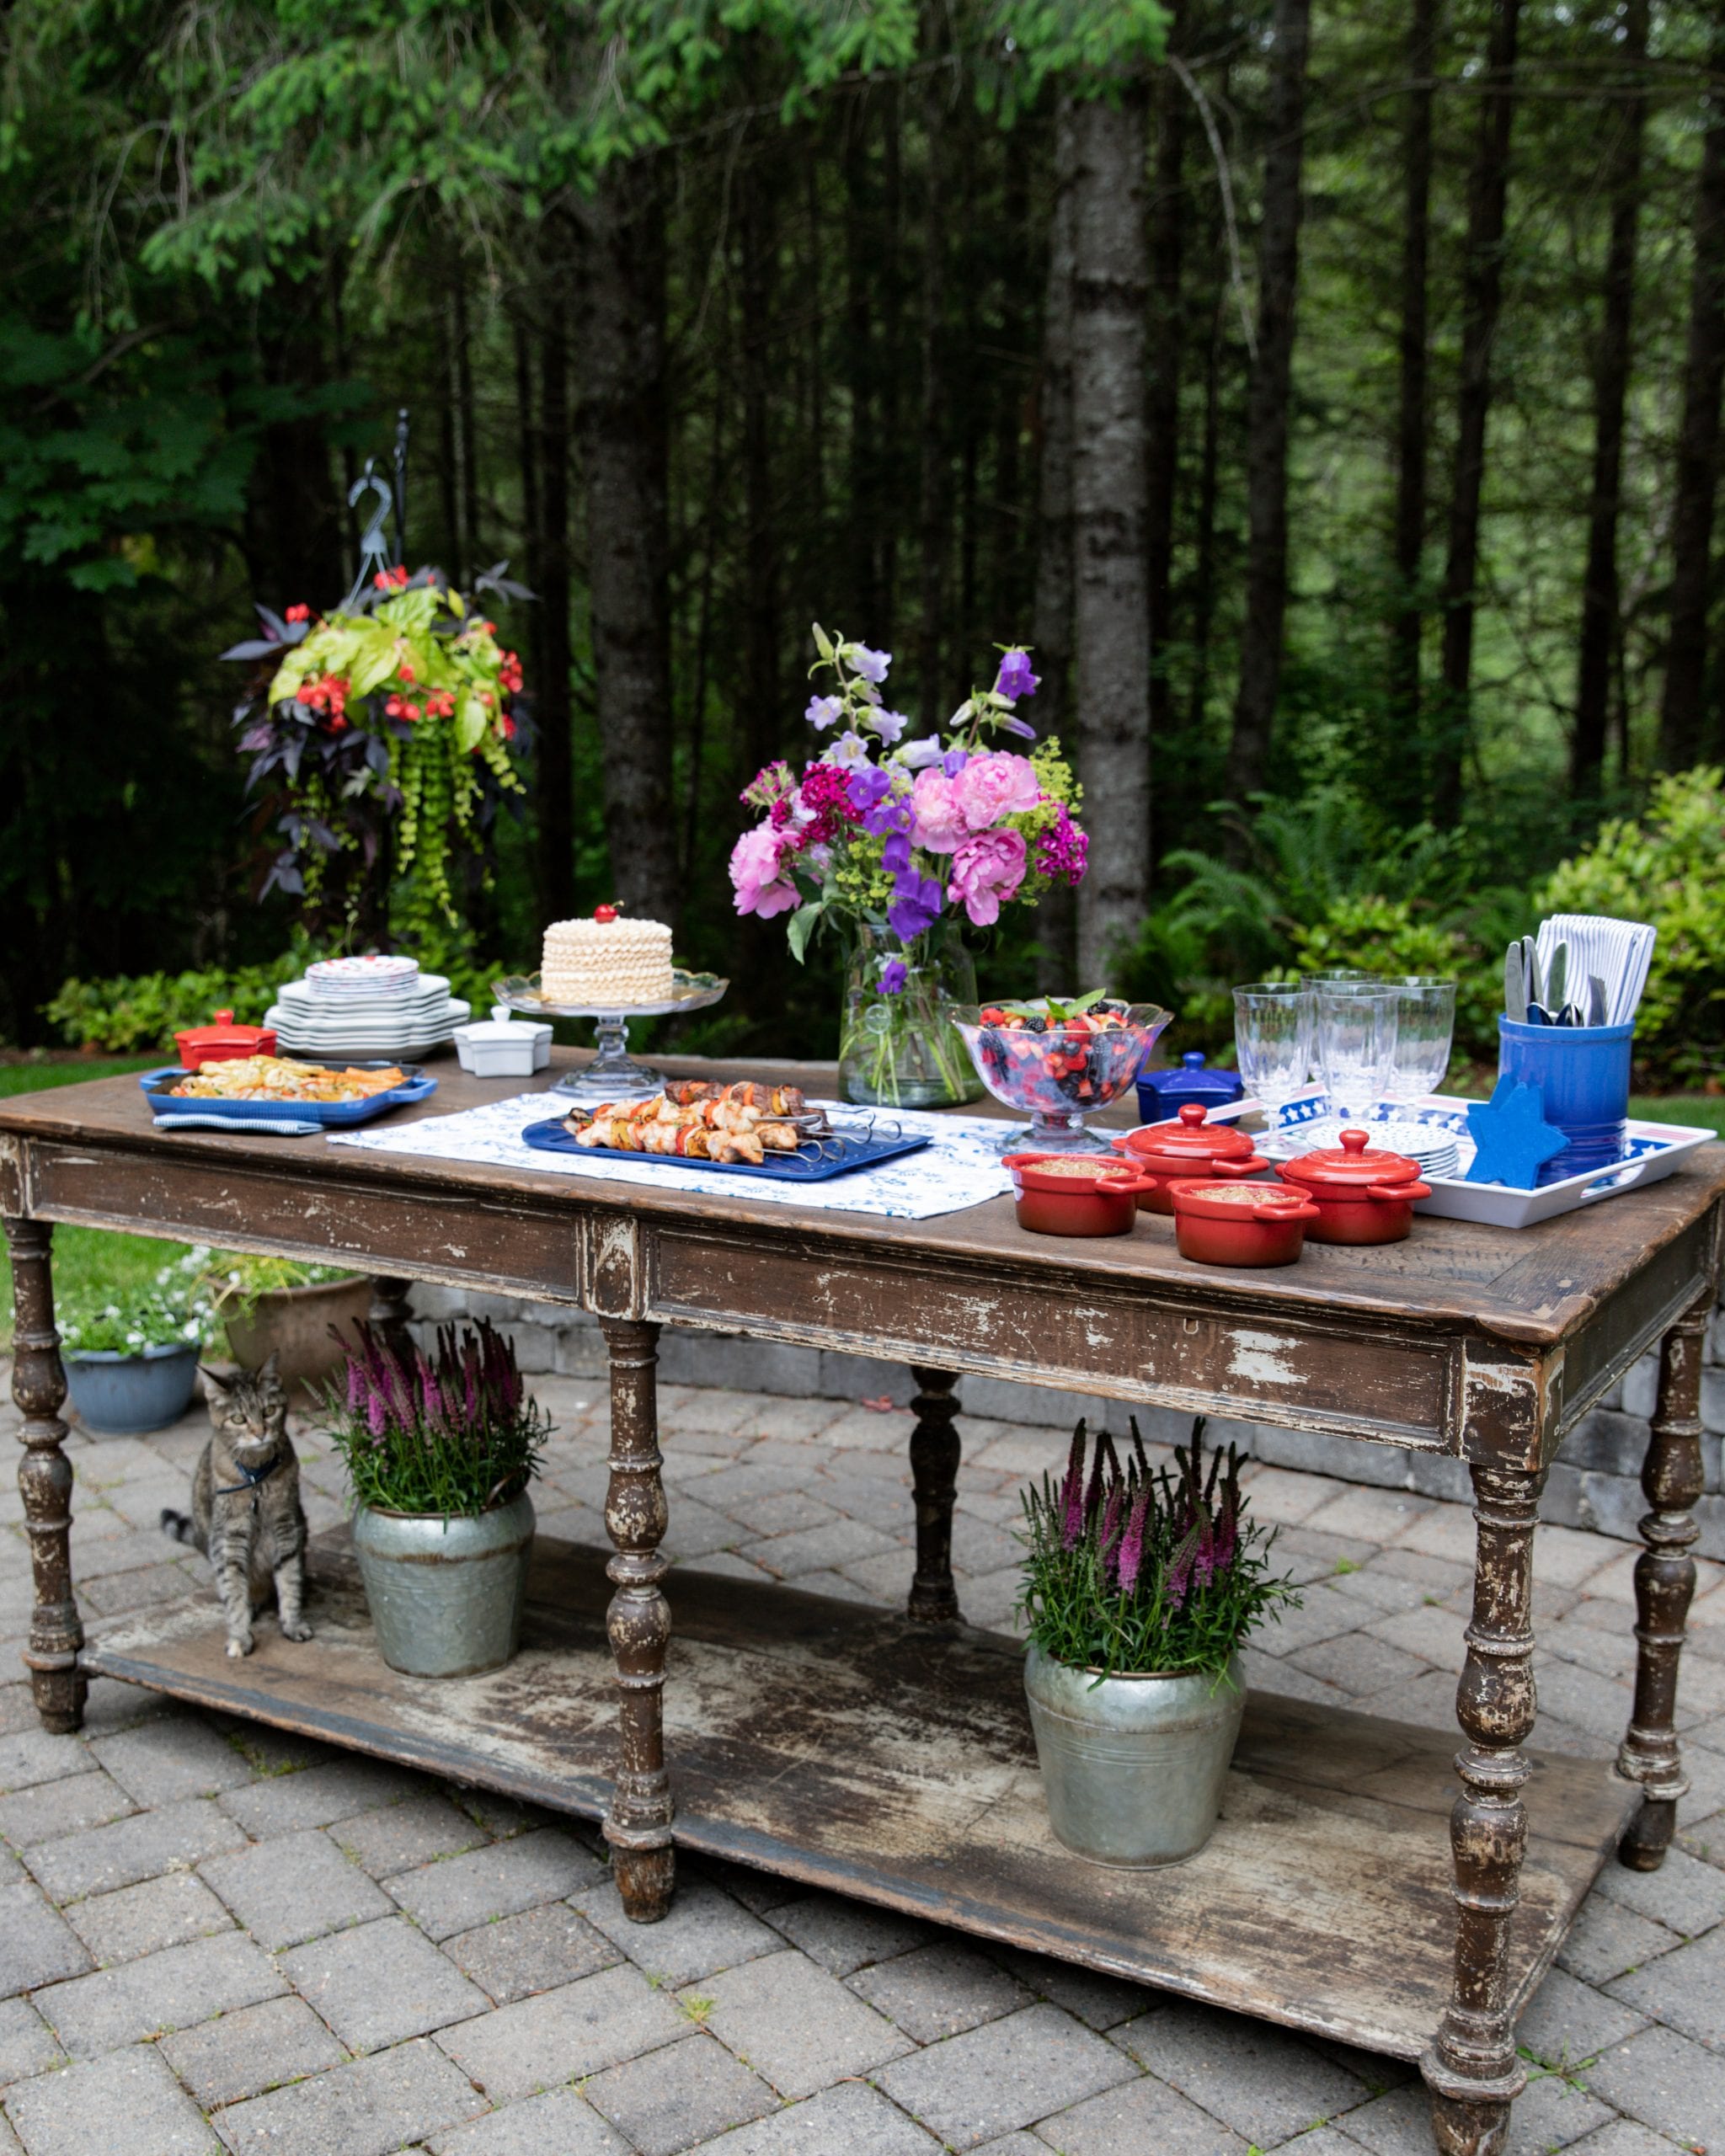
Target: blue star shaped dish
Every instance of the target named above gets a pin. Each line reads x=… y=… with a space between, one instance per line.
x=1513 y=1140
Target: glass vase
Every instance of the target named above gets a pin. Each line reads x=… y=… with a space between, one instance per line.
x=903 y=1051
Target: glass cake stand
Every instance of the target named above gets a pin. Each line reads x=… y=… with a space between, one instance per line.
x=612 y=1074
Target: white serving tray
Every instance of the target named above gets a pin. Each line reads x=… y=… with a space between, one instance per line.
x=1654 y=1151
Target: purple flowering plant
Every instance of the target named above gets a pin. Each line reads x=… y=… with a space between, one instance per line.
x=1132 y=1570
x=452 y=1434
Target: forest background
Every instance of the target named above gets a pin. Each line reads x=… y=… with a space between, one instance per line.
x=1327 y=390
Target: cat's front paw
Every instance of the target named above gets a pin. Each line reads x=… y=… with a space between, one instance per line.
x=240 y=1645
x=299 y=1630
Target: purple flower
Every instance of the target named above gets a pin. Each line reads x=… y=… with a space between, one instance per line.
x=1014 y=678
x=1072 y=1493
x=889 y=724
x=1132 y=1544
x=893 y=814
x=954 y=760
x=849 y=750
x=893 y=976
x=1017 y=726
x=895 y=855
x=917 y=906
x=872 y=665
x=867 y=785
x=825 y=711
x=917 y=755
x=1060 y=850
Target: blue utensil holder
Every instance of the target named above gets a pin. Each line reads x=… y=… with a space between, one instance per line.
x=1583 y=1074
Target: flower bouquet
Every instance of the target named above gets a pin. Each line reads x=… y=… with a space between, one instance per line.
x=898 y=843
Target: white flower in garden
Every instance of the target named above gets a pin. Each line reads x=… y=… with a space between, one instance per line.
x=191 y=1328
x=134 y=1339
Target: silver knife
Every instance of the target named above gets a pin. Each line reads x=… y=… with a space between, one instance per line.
x=1595 y=1000
x=1514 y=986
x=1557 y=979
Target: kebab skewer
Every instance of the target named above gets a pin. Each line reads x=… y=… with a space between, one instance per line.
x=689 y=1141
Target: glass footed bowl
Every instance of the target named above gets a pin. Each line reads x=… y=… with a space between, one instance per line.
x=1059 y=1076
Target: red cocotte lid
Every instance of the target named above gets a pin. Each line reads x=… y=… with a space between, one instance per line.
x=1187 y=1145
x=1351 y=1170
x=222 y=1041
x=1241 y=1201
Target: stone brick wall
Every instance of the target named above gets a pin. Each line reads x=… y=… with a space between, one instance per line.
x=1595 y=1482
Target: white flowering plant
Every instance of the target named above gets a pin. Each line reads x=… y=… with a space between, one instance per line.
x=177 y=1309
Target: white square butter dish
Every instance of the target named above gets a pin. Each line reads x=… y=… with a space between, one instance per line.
x=502 y=1046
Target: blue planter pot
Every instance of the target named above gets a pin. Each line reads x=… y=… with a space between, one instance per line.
x=128 y=1393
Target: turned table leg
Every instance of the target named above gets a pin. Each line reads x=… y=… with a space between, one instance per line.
x=45 y=1480
x=637 y=1624
x=934 y=1474
x=1664 y=1582
x=1472 y=2068
x=391 y=1308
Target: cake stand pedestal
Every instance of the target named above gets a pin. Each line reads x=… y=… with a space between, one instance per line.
x=613 y=1074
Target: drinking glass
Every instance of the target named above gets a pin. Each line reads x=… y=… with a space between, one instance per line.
x=1273 y=1039
x=1350 y=979
x=1355 y=1031
x=1425 y=1020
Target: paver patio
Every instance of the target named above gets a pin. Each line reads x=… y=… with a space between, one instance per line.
x=213 y=1937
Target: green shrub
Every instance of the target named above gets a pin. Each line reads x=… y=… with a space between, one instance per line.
x=1393 y=936
x=138 y=1013
x=1668 y=869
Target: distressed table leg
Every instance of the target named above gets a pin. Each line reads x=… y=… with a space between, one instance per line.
x=934 y=1474
x=391 y=1307
x=1472 y=2068
x=637 y=1624
x=45 y=1480
x=1664 y=1582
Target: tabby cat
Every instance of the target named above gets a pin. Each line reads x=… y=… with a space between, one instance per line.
x=245 y=1514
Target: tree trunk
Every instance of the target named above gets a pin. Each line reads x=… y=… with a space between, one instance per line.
x=1204 y=568
x=1266 y=408
x=1482 y=299
x=551 y=708
x=1399 y=769
x=1601 y=617
x=624 y=436
x=1682 y=714
x=868 y=602
x=933 y=505
x=1051 y=626
x=1111 y=619
x=765 y=720
x=1169 y=206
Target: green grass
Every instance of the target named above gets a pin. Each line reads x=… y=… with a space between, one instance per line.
x=86 y=1261
x=1703 y=1111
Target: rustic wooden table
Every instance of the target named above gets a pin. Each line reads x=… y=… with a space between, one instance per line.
x=888 y=1758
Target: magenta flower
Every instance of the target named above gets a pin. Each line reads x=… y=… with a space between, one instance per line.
x=987 y=870
x=938 y=824
x=1072 y=1493
x=756 y=860
x=1132 y=1544
x=1061 y=850
x=1014 y=678
x=993 y=787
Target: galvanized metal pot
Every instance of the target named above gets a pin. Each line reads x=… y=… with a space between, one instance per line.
x=1133 y=1767
x=446 y=1594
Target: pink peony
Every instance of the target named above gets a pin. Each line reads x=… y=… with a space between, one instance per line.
x=993 y=787
x=987 y=870
x=755 y=867
x=939 y=823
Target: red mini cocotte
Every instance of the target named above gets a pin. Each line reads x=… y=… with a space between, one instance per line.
x=1188 y=1146
x=222 y=1041
x=1076 y=1194
x=1240 y=1223
x=1361 y=1196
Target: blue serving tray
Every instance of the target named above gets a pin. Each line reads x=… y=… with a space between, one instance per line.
x=778 y=1167
x=155 y=1083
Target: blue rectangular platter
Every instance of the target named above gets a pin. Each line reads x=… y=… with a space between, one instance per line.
x=335 y=1113
x=553 y=1137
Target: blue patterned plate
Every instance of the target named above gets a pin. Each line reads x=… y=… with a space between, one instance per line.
x=816 y=1160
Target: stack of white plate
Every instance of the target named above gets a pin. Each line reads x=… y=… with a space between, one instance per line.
x=1432 y=1143
x=399 y=1019
x=376 y=977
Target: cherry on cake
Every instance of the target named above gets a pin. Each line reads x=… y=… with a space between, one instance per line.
x=607 y=959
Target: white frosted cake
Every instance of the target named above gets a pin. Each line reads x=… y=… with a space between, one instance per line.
x=606 y=960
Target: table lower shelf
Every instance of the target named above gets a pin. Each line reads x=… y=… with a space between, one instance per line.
x=843 y=1746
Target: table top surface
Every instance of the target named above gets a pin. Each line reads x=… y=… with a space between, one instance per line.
x=1534 y=1284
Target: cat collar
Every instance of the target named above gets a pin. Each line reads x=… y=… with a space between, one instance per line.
x=252 y=1477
